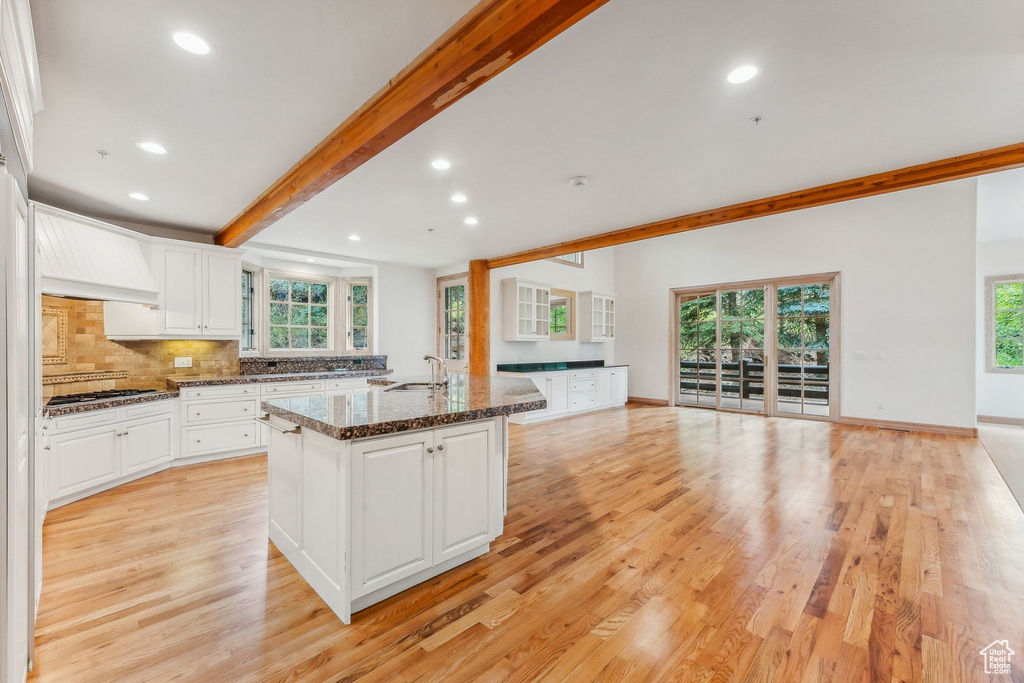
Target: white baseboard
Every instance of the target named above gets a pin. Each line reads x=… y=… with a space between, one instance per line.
x=997 y=420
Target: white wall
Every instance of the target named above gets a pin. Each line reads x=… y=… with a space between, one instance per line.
x=999 y=395
x=908 y=291
x=598 y=275
x=405 y=306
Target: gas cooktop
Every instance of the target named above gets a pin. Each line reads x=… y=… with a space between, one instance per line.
x=96 y=396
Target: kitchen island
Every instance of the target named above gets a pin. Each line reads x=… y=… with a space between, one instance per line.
x=374 y=492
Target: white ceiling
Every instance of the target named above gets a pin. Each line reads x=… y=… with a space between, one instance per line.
x=284 y=74
x=1001 y=206
x=634 y=97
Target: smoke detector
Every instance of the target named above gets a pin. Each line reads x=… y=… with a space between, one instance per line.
x=578 y=181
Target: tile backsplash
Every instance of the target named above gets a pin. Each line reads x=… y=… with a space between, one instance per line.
x=147 y=364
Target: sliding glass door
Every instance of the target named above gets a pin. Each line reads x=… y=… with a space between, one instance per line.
x=762 y=347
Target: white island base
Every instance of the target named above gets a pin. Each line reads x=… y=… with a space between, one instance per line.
x=366 y=519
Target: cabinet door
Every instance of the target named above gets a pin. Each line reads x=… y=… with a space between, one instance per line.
x=181 y=290
x=392 y=504
x=467 y=489
x=145 y=443
x=284 y=464
x=524 y=310
x=78 y=461
x=609 y=318
x=542 y=316
x=619 y=386
x=604 y=388
x=558 y=395
x=222 y=294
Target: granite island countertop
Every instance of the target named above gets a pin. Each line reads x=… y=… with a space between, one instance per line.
x=104 y=403
x=379 y=412
x=183 y=381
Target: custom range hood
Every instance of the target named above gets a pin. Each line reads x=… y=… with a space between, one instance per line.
x=86 y=259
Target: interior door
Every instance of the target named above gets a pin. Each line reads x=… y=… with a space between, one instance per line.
x=453 y=323
x=392 y=507
x=16 y=584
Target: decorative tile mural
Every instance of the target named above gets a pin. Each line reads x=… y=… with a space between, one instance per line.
x=55 y=335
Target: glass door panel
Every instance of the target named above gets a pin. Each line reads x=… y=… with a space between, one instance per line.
x=742 y=349
x=803 y=349
x=453 y=327
x=698 y=341
x=543 y=312
x=524 y=302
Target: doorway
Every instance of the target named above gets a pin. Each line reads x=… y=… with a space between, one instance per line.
x=453 y=321
x=766 y=347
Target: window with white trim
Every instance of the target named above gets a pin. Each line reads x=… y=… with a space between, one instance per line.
x=248 y=341
x=1004 y=329
x=300 y=315
x=358 y=315
x=573 y=259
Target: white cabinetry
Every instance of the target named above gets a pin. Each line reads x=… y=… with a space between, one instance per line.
x=526 y=310
x=89 y=452
x=597 y=317
x=200 y=295
x=416 y=504
x=218 y=420
x=575 y=391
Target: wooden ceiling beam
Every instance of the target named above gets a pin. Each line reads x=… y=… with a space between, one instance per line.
x=953 y=168
x=494 y=35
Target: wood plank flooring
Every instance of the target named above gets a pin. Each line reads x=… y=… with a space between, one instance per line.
x=641 y=544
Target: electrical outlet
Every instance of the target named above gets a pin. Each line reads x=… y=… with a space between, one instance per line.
x=880 y=355
x=183 y=361
x=859 y=355
x=881 y=405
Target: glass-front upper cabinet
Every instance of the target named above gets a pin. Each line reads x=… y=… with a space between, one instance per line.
x=526 y=310
x=597 y=317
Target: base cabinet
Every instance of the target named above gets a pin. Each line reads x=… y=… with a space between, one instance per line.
x=364 y=520
x=85 y=461
x=575 y=391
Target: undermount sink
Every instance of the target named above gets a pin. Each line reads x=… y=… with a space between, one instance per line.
x=414 y=386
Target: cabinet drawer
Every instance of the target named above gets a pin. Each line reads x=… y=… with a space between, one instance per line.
x=220 y=438
x=581 y=374
x=147 y=409
x=582 y=385
x=293 y=388
x=94 y=418
x=345 y=384
x=220 y=391
x=582 y=402
x=220 y=411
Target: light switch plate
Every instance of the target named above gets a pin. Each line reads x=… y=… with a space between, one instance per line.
x=183 y=361
x=859 y=355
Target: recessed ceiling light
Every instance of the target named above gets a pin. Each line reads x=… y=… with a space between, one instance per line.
x=441 y=164
x=355 y=238
x=153 y=147
x=138 y=195
x=190 y=42
x=458 y=198
x=471 y=221
x=742 y=74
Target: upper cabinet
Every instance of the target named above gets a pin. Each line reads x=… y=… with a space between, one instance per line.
x=526 y=307
x=19 y=73
x=597 y=317
x=200 y=296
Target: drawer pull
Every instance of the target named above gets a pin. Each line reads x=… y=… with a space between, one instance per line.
x=266 y=420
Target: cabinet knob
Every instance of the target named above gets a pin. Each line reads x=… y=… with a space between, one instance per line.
x=430 y=450
x=244 y=410
x=245 y=436
x=199 y=327
x=440 y=447
x=199 y=440
x=198 y=414
x=46 y=448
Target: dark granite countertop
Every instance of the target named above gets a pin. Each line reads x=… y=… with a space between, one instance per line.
x=556 y=366
x=102 y=404
x=183 y=381
x=380 y=412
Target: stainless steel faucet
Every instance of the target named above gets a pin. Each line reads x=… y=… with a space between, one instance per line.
x=442 y=365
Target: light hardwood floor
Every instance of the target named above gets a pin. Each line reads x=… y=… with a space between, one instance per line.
x=641 y=544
